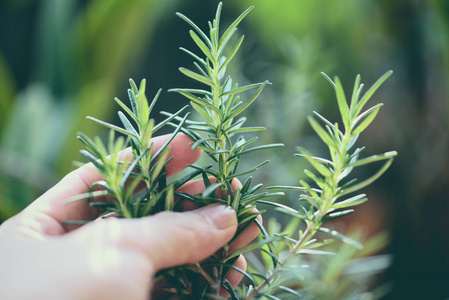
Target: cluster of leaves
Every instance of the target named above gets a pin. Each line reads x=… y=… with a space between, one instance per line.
x=331 y=196
x=219 y=134
x=124 y=173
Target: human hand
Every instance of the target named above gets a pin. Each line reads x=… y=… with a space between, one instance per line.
x=112 y=258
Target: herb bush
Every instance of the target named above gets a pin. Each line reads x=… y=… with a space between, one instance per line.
x=281 y=262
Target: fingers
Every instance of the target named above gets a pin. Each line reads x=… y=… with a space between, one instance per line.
x=170 y=239
x=80 y=181
x=247 y=236
x=197 y=186
x=234 y=277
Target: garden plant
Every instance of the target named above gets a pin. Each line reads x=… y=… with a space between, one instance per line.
x=285 y=249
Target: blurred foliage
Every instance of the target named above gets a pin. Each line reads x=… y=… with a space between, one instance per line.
x=63 y=60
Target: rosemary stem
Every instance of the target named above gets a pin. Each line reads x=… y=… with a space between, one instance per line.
x=308 y=233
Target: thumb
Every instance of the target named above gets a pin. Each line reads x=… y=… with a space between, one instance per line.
x=170 y=239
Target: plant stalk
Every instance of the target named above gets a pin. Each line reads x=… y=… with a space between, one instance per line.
x=307 y=235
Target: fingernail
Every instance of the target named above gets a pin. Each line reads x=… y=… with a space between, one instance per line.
x=220 y=215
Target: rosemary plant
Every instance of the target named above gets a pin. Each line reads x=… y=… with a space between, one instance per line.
x=123 y=172
x=330 y=195
x=222 y=136
x=219 y=135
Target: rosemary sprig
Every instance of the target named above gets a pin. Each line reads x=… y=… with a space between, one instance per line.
x=124 y=172
x=219 y=134
x=329 y=199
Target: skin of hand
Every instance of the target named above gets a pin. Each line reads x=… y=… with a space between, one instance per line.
x=41 y=258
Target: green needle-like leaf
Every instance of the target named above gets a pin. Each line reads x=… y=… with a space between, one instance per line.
x=196 y=76
x=342 y=237
x=248 y=103
x=197 y=29
x=373 y=158
x=368 y=181
x=231 y=28
x=371 y=91
x=113 y=127
x=327 y=139
x=342 y=102
x=250 y=247
x=202 y=46
x=231 y=55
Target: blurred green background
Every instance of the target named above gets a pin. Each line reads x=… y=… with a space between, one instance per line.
x=63 y=60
